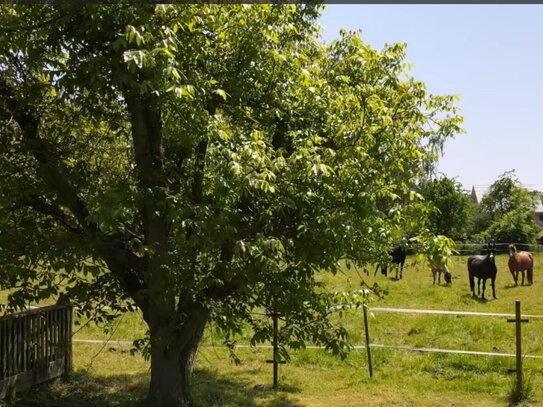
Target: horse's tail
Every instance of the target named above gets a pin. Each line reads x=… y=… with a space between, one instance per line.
x=530 y=273
x=471 y=278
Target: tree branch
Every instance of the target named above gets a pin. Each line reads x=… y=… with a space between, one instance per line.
x=57 y=177
x=146 y=121
x=40 y=205
x=199 y=169
x=147 y=138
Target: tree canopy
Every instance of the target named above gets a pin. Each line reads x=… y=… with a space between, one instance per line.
x=201 y=162
x=452 y=207
x=506 y=212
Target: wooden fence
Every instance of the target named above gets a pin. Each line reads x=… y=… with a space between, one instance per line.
x=35 y=346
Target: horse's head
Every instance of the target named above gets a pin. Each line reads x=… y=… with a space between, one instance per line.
x=512 y=250
x=491 y=251
x=448 y=276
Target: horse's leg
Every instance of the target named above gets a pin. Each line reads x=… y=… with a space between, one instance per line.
x=523 y=275
x=376 y=268
x=434 y=275
x=471 y=283
x=515 y=277
x=478 y=285
x=484 y=288
x=494 y=288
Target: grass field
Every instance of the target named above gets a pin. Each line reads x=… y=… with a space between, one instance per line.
x=109 y=376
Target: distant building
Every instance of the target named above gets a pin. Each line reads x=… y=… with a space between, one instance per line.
x=473 y=196
x=538 y=218
x=538 y=215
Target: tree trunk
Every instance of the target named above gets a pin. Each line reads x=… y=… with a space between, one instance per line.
x=172 y=359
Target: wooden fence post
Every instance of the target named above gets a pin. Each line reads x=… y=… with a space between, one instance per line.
x=518 y=333
x=368 y=347
x=275 y=346
x=69 y=361
x=275 y=352
x=519 y=346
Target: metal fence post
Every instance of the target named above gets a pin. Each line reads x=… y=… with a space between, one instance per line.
x=368 y=347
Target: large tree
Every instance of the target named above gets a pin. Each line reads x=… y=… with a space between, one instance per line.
x=200 y=162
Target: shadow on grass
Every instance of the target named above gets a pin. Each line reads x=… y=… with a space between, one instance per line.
x=84 y=389
x=512 y=285
x=212 y=390
x=477 y=299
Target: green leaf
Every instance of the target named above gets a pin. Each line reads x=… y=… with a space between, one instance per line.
x=221 y=93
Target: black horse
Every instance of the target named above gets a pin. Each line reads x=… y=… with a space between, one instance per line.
x=398 y=255
x=483 y=267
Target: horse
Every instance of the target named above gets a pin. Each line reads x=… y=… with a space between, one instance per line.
x=398 y=255
x=437 y=270
x=519 y=262
x=483 y=267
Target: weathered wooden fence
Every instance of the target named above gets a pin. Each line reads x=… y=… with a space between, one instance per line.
x=35 y=346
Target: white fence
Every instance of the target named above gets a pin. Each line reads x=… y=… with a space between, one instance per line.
x=517 y=318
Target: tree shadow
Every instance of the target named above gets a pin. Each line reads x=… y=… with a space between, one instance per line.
x=85 y=389
x=212 y=390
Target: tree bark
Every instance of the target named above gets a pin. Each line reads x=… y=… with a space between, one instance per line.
x=172 y=359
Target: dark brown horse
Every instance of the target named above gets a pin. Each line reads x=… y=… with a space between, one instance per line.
x=483 y=267
x=397 y=256
x=520 y=262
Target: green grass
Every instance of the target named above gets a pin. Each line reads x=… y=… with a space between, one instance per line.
x=113 y=377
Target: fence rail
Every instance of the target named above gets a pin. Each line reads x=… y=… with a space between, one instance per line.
x=518 y=320
x=35 y=346
x=478 y=248
x=453 y=351
x=445 y=312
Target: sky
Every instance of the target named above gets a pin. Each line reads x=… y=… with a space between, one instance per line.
x=491 y=56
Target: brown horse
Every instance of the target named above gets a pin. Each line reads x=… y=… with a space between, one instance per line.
x=521 y=261
x=436 y=272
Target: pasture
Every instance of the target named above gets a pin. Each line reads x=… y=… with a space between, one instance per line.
x=110 y=375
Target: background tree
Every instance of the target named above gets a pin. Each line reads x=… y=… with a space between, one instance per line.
x=504 y=195
x=451 y=207
x=201 y=162
x=506 y=211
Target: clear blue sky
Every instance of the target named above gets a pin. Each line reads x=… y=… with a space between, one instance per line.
x=489 y=55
